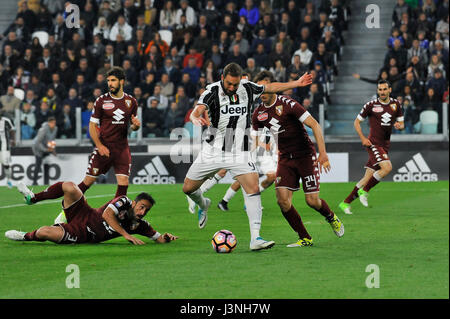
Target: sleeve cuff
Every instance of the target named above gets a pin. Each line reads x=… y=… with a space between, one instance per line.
x=155 y=236
x=113 y=208
x=304 y=116
x=94 y=120
x=400 y=119
x=359 y=117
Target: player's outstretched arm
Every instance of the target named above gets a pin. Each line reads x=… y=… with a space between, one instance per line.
x=166 y=238
x=275 y=87
x=317 y=131
x=109 y=216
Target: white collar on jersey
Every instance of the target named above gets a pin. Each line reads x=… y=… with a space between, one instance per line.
x=268 y=107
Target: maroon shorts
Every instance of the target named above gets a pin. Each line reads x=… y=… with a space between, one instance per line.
x=377 y=154
x=79 y=216
x=291 y=170
x=119 y=158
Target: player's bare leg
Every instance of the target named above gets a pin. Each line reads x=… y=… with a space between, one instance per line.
x=270 y=178
x=192 y=189
x=284 y=200
x=252 y=198
x=377 y=176
x=51 y=233
x=345 y=205
x=314 y=201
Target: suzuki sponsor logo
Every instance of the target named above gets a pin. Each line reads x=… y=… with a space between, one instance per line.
x=386 y=119
x=154 y=173
x=415 y=170
x=118 y=116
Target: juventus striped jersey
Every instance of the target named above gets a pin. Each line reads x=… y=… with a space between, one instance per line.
x=6 y=126
x=230 y=115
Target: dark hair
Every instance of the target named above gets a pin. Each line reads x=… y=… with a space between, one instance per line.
x=51 y=118
x=145 y=196
x=232 y=69
x=384 y=82
x=117 y=72
x=264 y=75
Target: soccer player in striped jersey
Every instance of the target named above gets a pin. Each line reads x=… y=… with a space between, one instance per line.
x=226 y=144
x=384 y=113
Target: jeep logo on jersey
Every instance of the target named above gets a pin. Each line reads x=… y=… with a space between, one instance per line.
x=154 y=172
x=415 y=170
x=118 y=116
x=238 y=110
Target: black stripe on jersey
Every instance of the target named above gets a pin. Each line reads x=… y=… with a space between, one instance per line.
x=249 y=88
x=212 y=101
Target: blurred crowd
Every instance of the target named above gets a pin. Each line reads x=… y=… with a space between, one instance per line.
x=170 y=50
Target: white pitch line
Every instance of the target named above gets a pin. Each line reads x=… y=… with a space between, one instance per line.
x=59 y=200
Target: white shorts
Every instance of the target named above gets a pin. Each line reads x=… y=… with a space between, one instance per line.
x=266 y=164
x=207 y=164
x=5 y=158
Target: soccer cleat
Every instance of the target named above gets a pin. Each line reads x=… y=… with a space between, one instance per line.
x=15 y=235
x=9 y=184
x=305 y=242
x=61 y=218
x=363 y=197
x=203 y=214
x=337 y=226
x=345 y=207
x=223 y=205
x=192 y=205
x=260 y=243
x=26 y=192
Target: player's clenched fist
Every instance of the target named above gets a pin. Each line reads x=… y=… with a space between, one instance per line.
x=135 y=122
x=103 y=150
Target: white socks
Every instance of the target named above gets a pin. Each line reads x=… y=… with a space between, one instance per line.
x=198 y=198
x=377 y=176
x=209 y=183
x=229 y=194
x=254 y=213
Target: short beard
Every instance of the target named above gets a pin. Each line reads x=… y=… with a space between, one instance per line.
x=114 y=90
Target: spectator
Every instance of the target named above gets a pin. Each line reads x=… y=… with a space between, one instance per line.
x=167 y=87
x=140 y=99
x=250 y=11
x=121 y=27
x=160 y=43
x=400 y=8
x=297 y=67
x=17 y=46
x=442 y=26
x=148 y=85
x=252 y=70
x=32 y=99
x=43 y=113
x=438 y=83
x=435 y=64
x=102 y=28
x=304 y=53
x=154 y=55
x=163 y=101
x=97 y=49
x=216 y=56
x=53 y=101
x=279 y=55
x=261 y=57
x=19 y=27
x=9 y=103
x=167 y=16
x=193 y=70
x=236 y=56
x=173 y=118
x=189 y=86
x=267 y=24
x=152 y=119
x=202 y=44
x=193 y=54
x=410 y=114
x=86 y=117
x=399 y=53
x=27 y=61
x=19 y=79
x=262 y=39
x=150 y=12
x=287 y=25
x=211 y=13
x=417 y=50
x=57 y=86
x=73 y=100
x=131 y=74
x=129 y=12
x=245 y=28
x=278 y=70
x=181 y=99
x=27 y=122
x=438 y=49
x=82 y=88
x=188 y=12
x=173 y=72
x=46 y=133
x=283 y=38
x=66 y=122
x=42 y=73
x=9 y=60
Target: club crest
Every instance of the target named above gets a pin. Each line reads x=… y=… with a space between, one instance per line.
x=393 y=106
x=279 y=109
x=128 y=102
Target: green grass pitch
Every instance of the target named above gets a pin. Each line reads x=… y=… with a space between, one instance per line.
x=405 y=233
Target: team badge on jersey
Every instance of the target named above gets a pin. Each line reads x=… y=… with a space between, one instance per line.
x=393 y=107
x=128 y=103
x=262 y=117
x=95 y=170
x=234 y=99
x=279 y=109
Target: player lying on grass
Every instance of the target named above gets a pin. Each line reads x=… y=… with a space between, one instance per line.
x=297 y=157
x=118 y=217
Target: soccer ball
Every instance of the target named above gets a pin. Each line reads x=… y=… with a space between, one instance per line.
x=51 y=144
x=223 y=241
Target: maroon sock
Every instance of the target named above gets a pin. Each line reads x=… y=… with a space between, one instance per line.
x=325 y=210
x=353 y=195
x=31 y=236
x=296 y=223
x=121 y=190
x=52 y=192
x=371 y=183
x=83 y=187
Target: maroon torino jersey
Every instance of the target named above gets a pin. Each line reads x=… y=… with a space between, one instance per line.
x=114 y=116
x=381 y=120
x=121 y=206
x=285 y=119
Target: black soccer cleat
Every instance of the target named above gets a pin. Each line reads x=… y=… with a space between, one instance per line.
x=223 y=205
